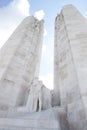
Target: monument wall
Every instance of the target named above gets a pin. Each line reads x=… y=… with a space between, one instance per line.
x=24 y=97
x=19 y=58
x=70 y=65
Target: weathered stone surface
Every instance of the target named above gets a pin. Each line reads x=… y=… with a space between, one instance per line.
x=19 y=61
x=77 y=115
x=71 y=65
x=53 y=119
x=24 y=97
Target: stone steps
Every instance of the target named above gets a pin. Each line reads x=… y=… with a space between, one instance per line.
x=14 y=114
x=44 y=120
x=28 y=123
x=25 y=128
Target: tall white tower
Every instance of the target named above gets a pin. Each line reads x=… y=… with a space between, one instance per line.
x=70 y=65
x=19 y=62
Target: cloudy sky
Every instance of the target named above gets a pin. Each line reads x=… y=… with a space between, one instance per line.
x=12 y=12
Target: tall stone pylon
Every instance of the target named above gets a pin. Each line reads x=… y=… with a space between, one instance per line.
x=19 y=62
x=70 y=66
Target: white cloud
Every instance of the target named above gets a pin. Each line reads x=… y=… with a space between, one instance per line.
x=23 y=6
x=39 y=14
x=44 y=48
x=45 y=32
x=47 y=80
x=10 y=16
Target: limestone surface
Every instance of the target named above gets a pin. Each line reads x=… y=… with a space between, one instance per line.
x=25 y=102
x=53 y=119
x=19 y=61
x=70 y=67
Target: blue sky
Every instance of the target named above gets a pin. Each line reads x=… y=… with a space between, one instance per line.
x=11 y=15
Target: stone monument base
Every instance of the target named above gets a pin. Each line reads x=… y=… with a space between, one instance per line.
x=51 y=119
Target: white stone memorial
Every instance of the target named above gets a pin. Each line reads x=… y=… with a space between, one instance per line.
x=25 y=103
x=19 y=58
x=70 y=66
